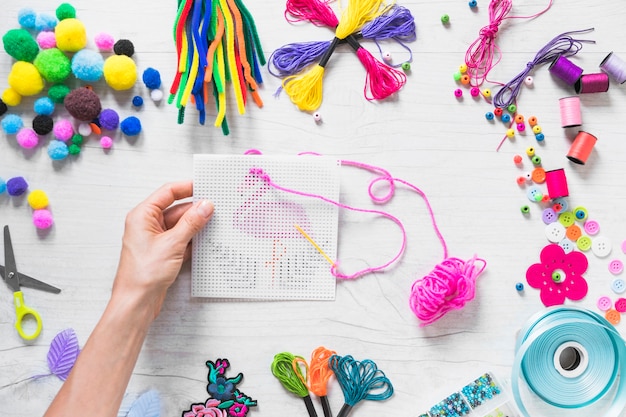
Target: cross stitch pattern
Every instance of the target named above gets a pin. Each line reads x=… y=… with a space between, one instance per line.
x=252 y=249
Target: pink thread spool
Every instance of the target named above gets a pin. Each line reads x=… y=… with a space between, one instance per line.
x=581 y=147
x=570 y=111
x=566 y=70
x=556 y=183
x=615 y=67
x=592 y=83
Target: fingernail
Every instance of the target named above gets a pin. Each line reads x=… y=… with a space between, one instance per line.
x=205 y=208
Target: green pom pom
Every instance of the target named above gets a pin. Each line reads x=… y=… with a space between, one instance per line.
x=53 y=65
x=77 y=139
x=74 y=149
x=66 y=11
x=20 y=45
x=58 y=92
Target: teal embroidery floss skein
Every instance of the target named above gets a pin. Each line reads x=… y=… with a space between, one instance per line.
x=285 y=368
x=359 y=380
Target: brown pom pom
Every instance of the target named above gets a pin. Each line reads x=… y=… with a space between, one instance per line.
x=83 y=104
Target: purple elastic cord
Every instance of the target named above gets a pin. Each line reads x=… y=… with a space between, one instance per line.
x=292 y=58
x=562 y=44
x=398 y=24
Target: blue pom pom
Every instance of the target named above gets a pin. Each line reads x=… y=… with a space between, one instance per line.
x=45 y=22
x=44 y=106
x=57 y=150
x=137 y=101
x=26 y=18
x=131 y=126
x=3 y=186
x=88 y=65
x=151 y=78
x=11 y=124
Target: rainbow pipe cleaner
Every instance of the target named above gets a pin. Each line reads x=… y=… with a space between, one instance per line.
x=366 y=19
x=216 y=42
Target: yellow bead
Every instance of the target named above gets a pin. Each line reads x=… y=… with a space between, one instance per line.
x=530 y=151
x=536 y=129
x=463 y=68
x=486 y=93
x=38 y=199
x=510 y=133
x=11 y=97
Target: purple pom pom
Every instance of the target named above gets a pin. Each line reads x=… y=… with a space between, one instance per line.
x=16 y=186
x=109 y=119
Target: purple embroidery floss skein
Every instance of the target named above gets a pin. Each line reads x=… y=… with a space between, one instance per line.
x=566 y=70
x=615 y=67
x=592 y=83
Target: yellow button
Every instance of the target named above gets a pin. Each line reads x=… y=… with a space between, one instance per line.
x=567 y=218
x=583 y=243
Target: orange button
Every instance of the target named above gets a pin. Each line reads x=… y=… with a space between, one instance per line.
x=613 y=316
x=539 y=175
x=573 y=232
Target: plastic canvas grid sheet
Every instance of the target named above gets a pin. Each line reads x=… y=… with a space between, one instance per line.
x=251 y=248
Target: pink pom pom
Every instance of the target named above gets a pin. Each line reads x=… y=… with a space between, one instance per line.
x=42 y=219
x=46 y=40
x=104 y=42
x=63 y=130
x=106 y=142
x=27 y=138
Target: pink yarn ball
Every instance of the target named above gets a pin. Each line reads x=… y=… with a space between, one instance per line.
x=46 y=40
x=106 y=142
x=27 y=138
x=63 y=130
x=104 y=42
x=42 y=219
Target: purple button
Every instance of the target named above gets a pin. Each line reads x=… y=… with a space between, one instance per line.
x=604 y=303
x=548 y=216
x=616 y=267
x=592 y=227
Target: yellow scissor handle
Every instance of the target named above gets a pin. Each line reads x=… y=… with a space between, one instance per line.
x=21 y=311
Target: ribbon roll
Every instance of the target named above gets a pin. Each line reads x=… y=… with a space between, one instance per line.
x=570 y=358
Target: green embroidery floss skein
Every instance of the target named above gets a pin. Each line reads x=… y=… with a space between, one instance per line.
x=285 y=368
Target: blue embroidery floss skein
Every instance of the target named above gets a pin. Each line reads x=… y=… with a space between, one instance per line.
x=285 y=368
x=359 y=381
x=566 y=70
x=615 y=67
x=571 y=358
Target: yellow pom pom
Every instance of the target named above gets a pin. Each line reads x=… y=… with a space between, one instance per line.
x=25 y=79
x=120 y=72
x=11 y=97
x=71 y=35
x=38 y=199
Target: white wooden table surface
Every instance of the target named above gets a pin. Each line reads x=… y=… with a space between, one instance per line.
x=426 y=136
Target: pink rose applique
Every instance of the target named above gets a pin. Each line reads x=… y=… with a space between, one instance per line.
x=559 y=275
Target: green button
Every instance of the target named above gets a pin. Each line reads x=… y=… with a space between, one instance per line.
x=567 y=218
x=581 y=213
x=584 y=243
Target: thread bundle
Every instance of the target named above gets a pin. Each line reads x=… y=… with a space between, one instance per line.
x=571 y=116
x=375 y=21
x=615 y=67
x=216 y=43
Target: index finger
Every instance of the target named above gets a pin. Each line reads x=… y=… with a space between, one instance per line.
x=165 y=195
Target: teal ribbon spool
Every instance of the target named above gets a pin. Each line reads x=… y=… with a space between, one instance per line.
x=570 y=358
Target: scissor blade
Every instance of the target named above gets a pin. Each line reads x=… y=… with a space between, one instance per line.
x=10 y=267
x=30 y=282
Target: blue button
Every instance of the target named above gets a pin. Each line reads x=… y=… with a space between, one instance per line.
x=534 y=194
x=618 y=286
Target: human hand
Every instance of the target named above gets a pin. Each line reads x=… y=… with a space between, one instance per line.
x=156 y=242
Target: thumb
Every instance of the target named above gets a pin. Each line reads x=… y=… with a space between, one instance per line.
x=193 y=220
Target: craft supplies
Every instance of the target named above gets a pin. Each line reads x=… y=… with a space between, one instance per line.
x=285 y=368
x=581 y=148
x=225 y=399
x=569 y=358
x=359 y=380
x=566 y=70
x=615 y=67
x=571 y=116
x=319 y=374
x=215 y=43
x=15 y=281
x=592 y=83
x=556 y=182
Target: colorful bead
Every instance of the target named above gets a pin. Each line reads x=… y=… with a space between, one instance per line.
x=510 y=133
x=525 y=209
x=463 y=68
x=445 y=19
x=486 y=93
x=519 y=286
x=489 y=115
x=506 y=118
x=498 y=111
x=532 y=120
x=512 y=108
x=458 y=93
x=474 y=91
x=465 y=79
x=540 y=137
x=528 y=81
x=473 y=3
x=517 y=159
x=457 y=76
x=536 y=129
x=520 y=180
x=521 y=127
x=530 y=151
x=536 y=160
x=519 y=118
x=406 y=66
x=317 y=117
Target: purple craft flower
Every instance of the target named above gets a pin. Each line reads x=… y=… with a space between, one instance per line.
x=559 y=275
x=238 y=410
x=210 y=409
x=221 y=390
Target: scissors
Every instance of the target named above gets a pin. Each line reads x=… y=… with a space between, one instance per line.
x=15 y=280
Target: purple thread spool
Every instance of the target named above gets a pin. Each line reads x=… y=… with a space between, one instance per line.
x=566 y=70
x=592 y=83
x=556 y=183
x=571 y=115
x=615 y=67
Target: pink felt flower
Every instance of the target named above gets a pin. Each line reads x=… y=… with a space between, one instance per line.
x=206 y=410
x=558 y=275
